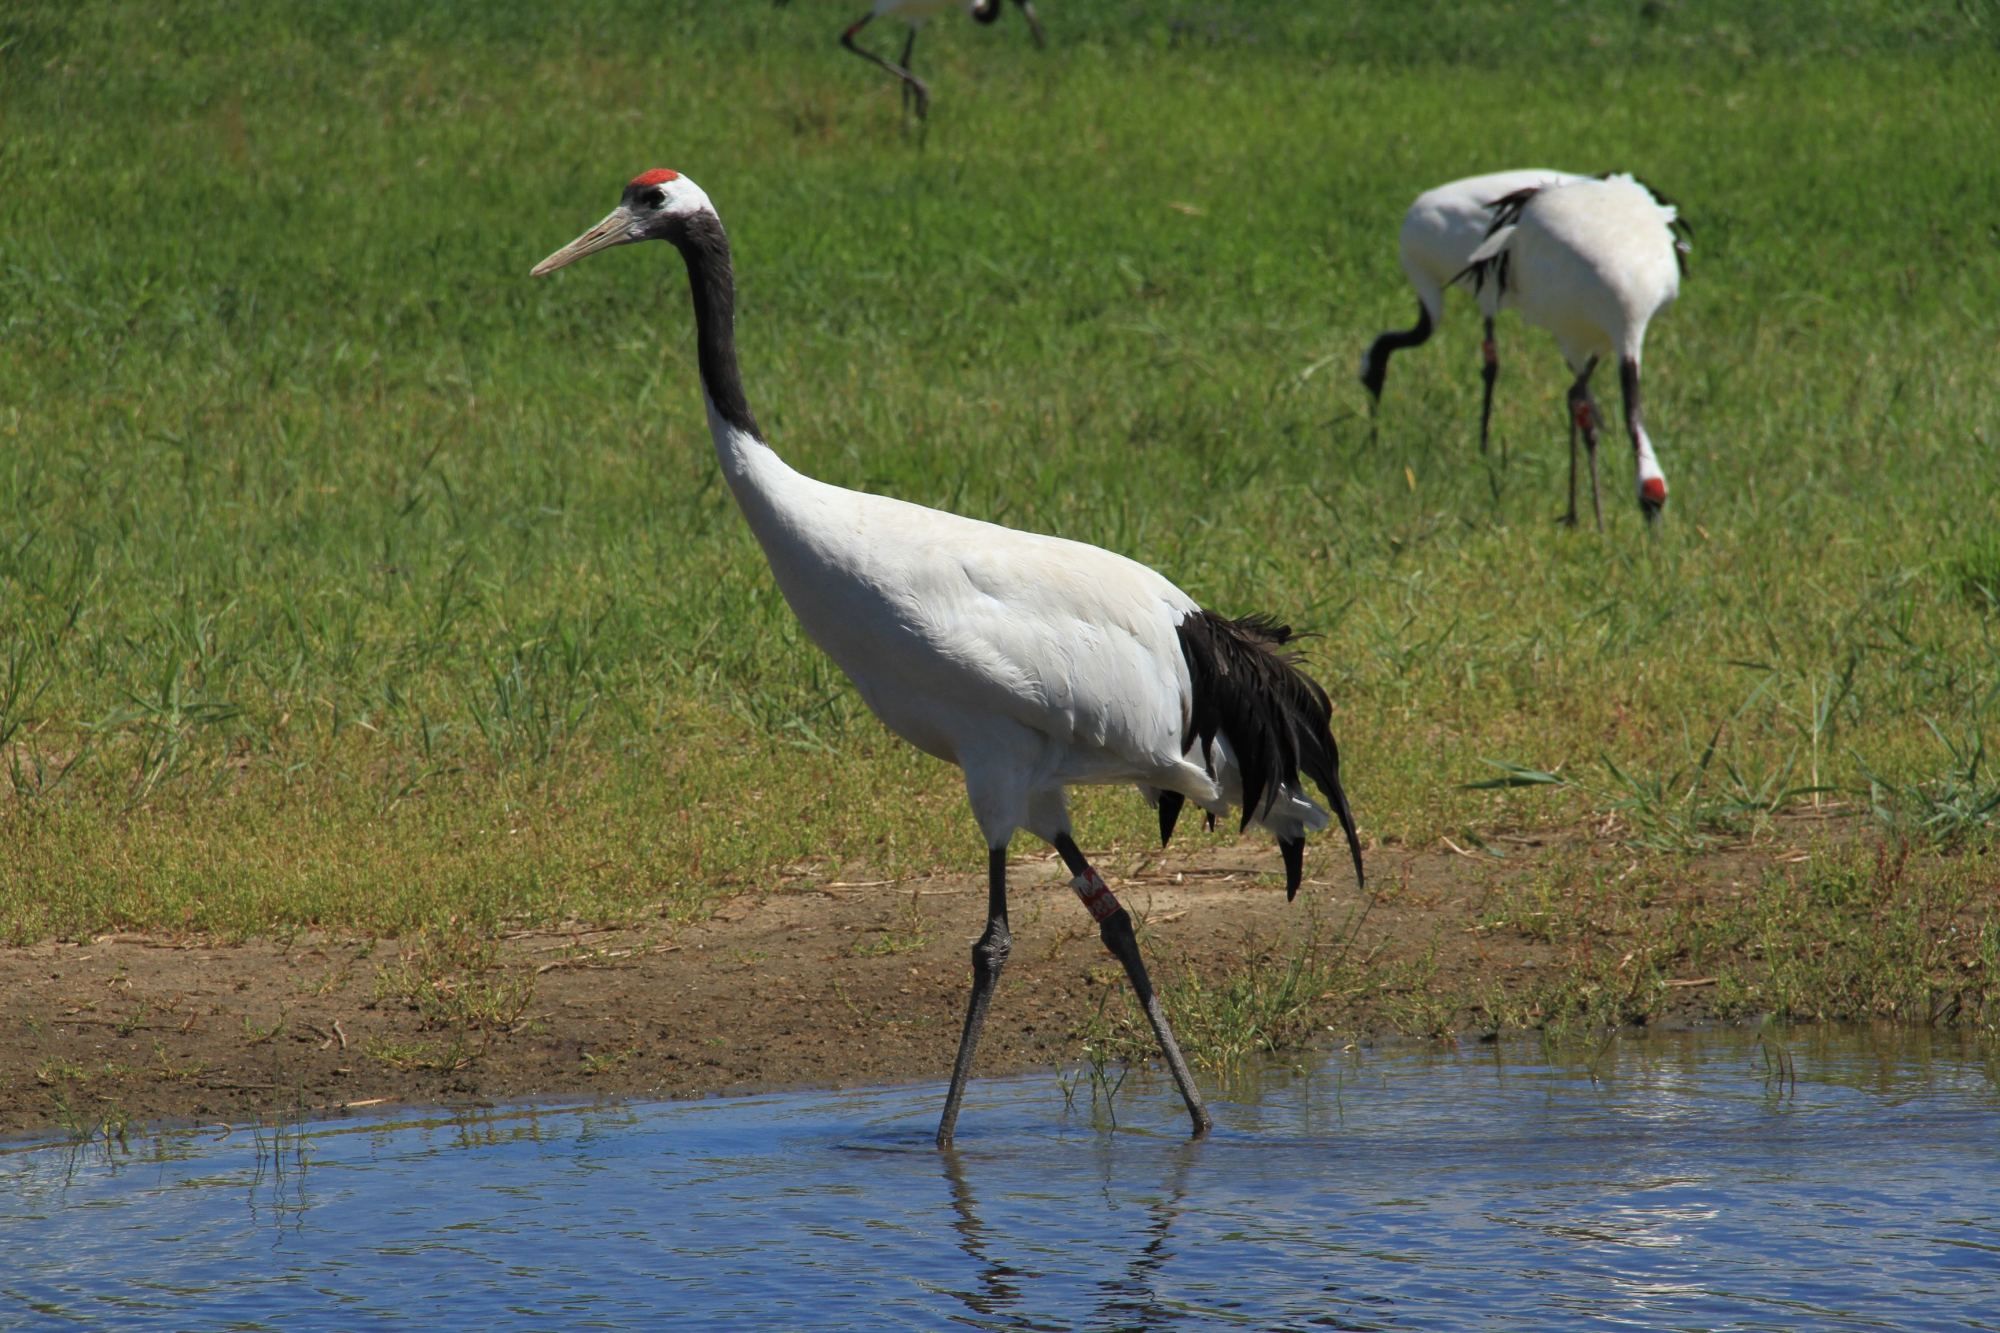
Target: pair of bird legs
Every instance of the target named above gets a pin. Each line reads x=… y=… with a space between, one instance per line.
x=989 y=955
x=1585 y=416
x=913 y=87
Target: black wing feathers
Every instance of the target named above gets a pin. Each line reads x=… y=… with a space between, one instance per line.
x=1506 y=212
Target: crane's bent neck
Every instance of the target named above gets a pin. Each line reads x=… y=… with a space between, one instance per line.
x=712 y=284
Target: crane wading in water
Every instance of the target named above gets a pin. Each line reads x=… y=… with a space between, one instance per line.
x=1440 y=232
x=1031 y=662
x=1592 y=262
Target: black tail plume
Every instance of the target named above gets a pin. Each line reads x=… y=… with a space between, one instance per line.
x=1170 y=813
x=1278 y=720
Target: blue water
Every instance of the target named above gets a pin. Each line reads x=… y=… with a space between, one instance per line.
x=1689 y=1181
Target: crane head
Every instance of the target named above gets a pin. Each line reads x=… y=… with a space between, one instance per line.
x=1652 y=497
x=986 y=11
x=655 y=206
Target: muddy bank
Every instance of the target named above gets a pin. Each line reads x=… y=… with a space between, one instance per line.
x=840 y=984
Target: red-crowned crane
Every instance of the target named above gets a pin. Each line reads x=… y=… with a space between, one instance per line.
x=1031 y=662
x=1592 y=262
x=915 y=13
x=1440 y=232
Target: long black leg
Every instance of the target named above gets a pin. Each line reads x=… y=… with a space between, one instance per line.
x=1034 y=24
x=1489 y=371
x=1583 y=416
x=1569 y=519
x=1590 y=453
x=909 y=47
x=911 y=83
x=1114 y=927
x=989 y=955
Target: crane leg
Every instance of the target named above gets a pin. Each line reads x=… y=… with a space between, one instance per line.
x=1583 y=416
x=1034 y=24
x=911 y=83
x=1569 y=519
x=989 y=955
x=1590 y=452
x=1489 y=371
x=1114 y=926
x=909 y=48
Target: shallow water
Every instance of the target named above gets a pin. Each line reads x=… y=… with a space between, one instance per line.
x=1680 y=1181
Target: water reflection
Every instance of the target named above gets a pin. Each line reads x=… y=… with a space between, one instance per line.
x=1135 y=1258
x=1688 y=1181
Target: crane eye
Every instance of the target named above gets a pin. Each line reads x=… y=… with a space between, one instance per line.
x=653 y=198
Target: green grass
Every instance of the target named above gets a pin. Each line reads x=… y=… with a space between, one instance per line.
x=1858 y=932
x=349 y=577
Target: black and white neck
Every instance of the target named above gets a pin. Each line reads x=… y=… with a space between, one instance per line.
x=712 y=285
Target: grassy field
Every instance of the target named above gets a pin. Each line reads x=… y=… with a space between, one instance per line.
x=348 y=577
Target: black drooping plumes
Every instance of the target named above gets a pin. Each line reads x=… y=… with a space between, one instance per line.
x=1245 y=686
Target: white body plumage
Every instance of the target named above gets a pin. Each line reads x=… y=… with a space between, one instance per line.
x=1591 y=261
x=1032 y=662
x=1440 y=232
x=1445 y=225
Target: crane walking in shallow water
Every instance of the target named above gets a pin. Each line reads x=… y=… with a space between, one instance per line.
x=1440 y=232
x=1592 y=262
x=1031 y=662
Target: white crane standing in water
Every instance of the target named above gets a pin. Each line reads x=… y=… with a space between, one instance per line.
x=1592 y=262
x=1030 y=662
x=1440 y=232
x=914 y=14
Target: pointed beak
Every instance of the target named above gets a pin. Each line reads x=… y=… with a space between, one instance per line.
x=616 y=229
x=1034 y=24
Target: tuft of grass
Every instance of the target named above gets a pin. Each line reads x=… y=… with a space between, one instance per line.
x=453 y=978
x=442 y=1057
x=1859 y=930
x=1271 y=1005
x=908 y=936
x=1962 y=803
x=1974 y=571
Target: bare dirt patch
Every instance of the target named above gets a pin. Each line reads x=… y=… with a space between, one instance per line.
x=835 y=984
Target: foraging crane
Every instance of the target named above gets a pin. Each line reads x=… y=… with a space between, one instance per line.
x=915 y=13
x=1592 y=262
x=1440 y=232
x=1031 y=662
